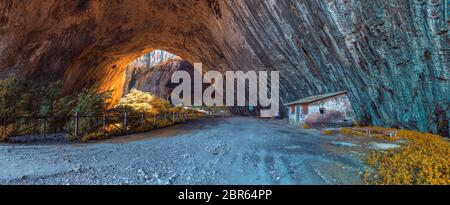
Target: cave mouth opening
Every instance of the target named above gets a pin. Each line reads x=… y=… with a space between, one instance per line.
x=152 y=73
x=153 y=58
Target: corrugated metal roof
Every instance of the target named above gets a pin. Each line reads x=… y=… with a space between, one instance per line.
x=316 y=98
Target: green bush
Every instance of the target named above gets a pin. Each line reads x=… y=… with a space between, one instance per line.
x=6 y=133
x=22 y=97
x=19 y=96
x=15 y=99
x=142 y=102
x=96 y=135
x=88 y=104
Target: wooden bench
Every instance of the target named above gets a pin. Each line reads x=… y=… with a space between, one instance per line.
x=374 y=133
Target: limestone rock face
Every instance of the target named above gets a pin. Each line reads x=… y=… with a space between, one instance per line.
x=155 y=79
x=149 y=60
x=392 y=56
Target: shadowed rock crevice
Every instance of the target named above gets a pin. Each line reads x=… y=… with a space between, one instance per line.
x=392 y=57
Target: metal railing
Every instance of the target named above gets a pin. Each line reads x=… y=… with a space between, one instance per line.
x=80 y=126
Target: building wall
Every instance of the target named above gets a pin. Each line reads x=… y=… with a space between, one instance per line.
x=337 y=109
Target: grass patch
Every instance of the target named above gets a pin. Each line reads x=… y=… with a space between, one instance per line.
x=97 y=135
x=424 y=159
x=347 y=131
x=306 y=126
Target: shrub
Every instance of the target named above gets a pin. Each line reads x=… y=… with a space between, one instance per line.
x=110 y=128
x=347 y=131
x=48 y=95
x=423 y=159
x=97 y=135
x=87 y=103
x=141 y=102
x=142 y=128
x=22 y=97
x=19 y=96
x=6 y=133
x=306 y=126
x=328 y=132
x=164 y=123
x=91 y=102
x=15 y=98
x=177 y=109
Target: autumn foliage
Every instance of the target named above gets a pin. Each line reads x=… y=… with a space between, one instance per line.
x=306 y=126
x=423 y=159
x=142 y=102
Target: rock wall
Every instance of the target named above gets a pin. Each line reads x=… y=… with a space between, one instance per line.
x=155 y=79
x=392 y=56
x=151 y=59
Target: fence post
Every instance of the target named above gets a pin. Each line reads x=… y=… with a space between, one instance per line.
x=154 y=119
x=5 y=125
x=77 y=118
x=142 y=119
x=4 y=119
x=125 y=125
x=104 y=124
x=173 y=116
x=43 y=128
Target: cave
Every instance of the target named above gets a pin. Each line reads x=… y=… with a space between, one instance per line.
x=392 y=57
x=152 y=73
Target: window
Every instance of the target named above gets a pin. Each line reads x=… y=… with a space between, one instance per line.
x=292 y=108
x=322 y=111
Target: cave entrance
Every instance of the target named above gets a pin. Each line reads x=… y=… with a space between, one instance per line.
x=152 y=73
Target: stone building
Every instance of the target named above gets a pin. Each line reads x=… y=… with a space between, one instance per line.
x=332 y=109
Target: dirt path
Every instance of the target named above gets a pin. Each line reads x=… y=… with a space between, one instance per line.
x=221 y=151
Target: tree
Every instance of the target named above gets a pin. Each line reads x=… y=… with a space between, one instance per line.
x=142 y=102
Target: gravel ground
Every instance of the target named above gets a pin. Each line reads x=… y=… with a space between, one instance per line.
x=235 y=150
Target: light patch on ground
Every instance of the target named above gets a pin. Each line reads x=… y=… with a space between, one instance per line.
x=346 y=144
x=383 y=146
